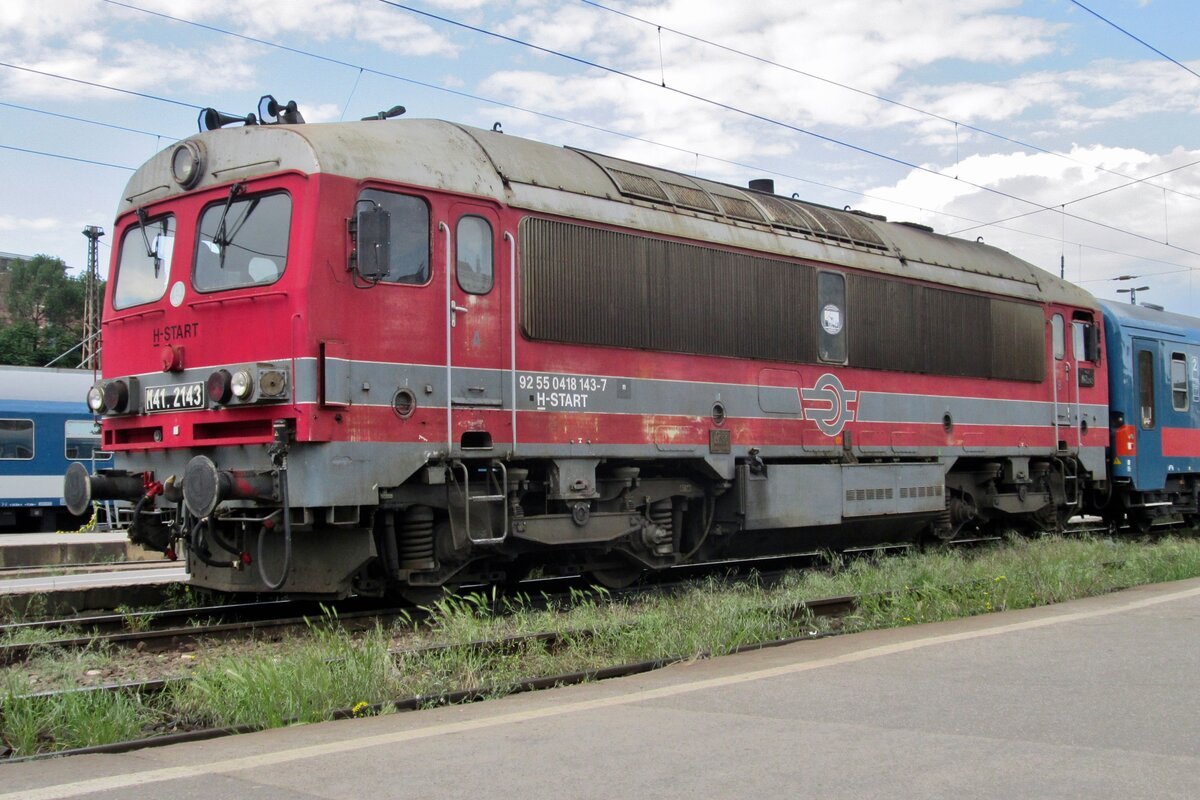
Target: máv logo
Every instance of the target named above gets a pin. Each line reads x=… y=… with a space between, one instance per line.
x=833 y=401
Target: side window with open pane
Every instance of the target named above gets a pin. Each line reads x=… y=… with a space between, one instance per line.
x=1179 y=382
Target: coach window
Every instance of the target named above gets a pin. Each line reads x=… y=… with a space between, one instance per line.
x=16 y=439
x=144 y=264
x=408 y=235
x=1060 y=345
x=243 y=241
x=1146 y=387
x=1179 y=382
x=831 y=315
x=82 y=438
x=474 y=247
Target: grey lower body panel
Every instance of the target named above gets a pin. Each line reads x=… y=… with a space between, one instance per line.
x=808 y=495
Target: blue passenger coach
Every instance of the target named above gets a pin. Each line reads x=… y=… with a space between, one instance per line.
x=44 y=427
x=1154 y=385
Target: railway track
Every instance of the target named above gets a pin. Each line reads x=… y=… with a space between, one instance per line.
x=165 y=629
x=812 y=609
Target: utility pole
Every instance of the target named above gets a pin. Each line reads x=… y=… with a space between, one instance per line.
x=1132 y=292
x=91 y=303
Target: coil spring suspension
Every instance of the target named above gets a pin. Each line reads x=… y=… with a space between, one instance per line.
x=658 y=535
x=660 y=514
x=415 y=539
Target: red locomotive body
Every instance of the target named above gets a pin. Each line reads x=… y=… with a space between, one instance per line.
x=383 y=356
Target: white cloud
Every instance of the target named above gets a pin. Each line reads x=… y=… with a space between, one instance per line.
x=1095 y=253
x=11 y=223
x=324 y=112
x=366 y=21
x=871 y=46
x=135 y=66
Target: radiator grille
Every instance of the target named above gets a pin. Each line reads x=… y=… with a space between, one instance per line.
x=595 y=286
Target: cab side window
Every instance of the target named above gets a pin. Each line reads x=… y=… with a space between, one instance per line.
x=408 y=235
x=1085 y=338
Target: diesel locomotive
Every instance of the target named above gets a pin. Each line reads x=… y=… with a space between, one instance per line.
x=394 y=355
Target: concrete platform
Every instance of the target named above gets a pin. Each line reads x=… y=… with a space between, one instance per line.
x=1090 y=699
x=46 y=549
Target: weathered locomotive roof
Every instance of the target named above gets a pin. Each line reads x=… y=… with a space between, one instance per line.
x=588 y=186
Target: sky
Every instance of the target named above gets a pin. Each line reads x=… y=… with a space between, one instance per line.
x=1045 y=126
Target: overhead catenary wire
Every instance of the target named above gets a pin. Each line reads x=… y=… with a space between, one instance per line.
x=718 y=159
x=65 y=157
x=1137 y=39
x=85 y=120
x=1132 y=182
x=770 y=121
x=96 y=85
x=873 y=95
x=502 y=104
x=545 y=115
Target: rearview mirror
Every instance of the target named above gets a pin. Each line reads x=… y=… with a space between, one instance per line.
x=372 y=229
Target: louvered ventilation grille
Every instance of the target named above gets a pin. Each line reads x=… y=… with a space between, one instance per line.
x=860 y=495
x=738 y=208
x=690 y=197
x=914 y=492
x=638 y=185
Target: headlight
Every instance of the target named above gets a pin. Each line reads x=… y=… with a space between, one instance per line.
x=187 y=163
x=95 y=399
x=242 y=384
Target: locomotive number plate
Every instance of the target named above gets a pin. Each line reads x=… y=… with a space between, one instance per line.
x=178 y=397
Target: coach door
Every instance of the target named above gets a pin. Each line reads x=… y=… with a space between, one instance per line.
x=1147 y=386
x=475 y=294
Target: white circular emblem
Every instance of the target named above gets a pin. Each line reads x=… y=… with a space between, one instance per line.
x=177 y=294
x=831 y=319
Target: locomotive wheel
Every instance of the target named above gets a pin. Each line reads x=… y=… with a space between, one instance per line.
x=424 y=595
x=616 y=577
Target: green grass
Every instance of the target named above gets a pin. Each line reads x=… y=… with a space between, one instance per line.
x=310 y=677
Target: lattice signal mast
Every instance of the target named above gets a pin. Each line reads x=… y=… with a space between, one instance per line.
x=91 y=303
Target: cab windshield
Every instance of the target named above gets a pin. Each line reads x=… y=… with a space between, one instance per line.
x=243 y=241
x=145 y=261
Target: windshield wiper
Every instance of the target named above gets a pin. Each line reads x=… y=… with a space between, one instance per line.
x=151 y=251
x=219 y=237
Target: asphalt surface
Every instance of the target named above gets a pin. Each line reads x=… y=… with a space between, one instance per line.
x=1091 y=699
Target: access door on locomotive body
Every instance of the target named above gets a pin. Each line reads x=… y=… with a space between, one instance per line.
x=1079 y=384
x=477 y=263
